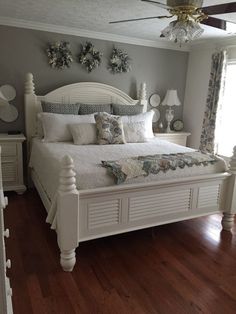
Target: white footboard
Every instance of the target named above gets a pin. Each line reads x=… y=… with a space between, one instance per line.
x=100 y=212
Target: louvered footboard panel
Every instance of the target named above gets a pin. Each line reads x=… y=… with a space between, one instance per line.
x=103 y=214
x=120 y=212
x=208 y=196
x=143 y=207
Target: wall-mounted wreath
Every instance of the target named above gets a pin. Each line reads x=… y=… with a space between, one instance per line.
x=59 y=55
x=90 y=57
x=119 y=62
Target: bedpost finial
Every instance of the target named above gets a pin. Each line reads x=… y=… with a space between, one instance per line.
x=29 y=84
x=143 y=96
x=67 y=175
x=143 y=92
x=67 y=160
x=232 y=162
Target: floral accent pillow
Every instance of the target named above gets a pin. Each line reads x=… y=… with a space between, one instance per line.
x=110 y=129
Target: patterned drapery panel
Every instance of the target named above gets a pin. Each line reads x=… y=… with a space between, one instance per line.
x=218 y=66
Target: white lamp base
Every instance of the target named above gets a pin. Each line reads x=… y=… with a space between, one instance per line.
x=169 y=117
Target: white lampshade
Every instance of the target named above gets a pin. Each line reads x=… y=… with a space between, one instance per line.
x=171 y=98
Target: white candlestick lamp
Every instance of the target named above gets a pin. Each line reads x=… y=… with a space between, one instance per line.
x=171 y=99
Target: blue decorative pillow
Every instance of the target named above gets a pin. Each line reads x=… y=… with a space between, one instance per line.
x=110 y=129
x=88 y=109
x=126 y=110
x=60 y=108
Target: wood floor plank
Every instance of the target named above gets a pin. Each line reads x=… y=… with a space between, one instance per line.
x=187 y=267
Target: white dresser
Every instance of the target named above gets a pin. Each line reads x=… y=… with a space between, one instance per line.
x=5 y=289
x=12 y=162
x=179 y=138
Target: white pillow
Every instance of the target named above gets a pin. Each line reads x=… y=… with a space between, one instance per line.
x=135 y=132
x=146 y=117
x=56 y=126
x=84 y=133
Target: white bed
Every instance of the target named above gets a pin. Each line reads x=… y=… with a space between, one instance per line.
x=85 y=204
x=46 y=158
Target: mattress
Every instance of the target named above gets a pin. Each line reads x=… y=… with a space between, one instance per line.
x=46 y=162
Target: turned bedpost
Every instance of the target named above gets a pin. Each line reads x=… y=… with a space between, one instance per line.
x=30 y=106
x=143 y=96
x=229 y=213
x=67 y=214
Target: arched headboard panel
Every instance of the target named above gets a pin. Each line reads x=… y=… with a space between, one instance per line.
x=85 y=92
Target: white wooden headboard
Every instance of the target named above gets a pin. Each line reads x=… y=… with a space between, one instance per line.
x=85 y=92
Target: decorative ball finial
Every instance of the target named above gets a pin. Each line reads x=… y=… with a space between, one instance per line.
x=29 y=84
x=232 y=162
x=67 y=175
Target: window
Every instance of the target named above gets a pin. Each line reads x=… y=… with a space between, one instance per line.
x=226 y=117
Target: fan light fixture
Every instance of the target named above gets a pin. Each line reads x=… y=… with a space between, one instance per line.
x=186 y=28
x=189 y=14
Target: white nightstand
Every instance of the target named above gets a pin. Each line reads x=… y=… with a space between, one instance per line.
x=12 y=162
x=179 y=138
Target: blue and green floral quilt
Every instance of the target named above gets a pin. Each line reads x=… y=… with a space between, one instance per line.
x=129 y=168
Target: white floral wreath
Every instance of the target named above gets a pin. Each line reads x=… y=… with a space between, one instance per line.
x=90 y=57
x=119 y=62
x=59 y=55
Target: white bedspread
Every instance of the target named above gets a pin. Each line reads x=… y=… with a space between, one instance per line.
x=46 y=157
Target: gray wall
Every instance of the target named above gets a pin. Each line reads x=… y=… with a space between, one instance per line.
x=23 y=51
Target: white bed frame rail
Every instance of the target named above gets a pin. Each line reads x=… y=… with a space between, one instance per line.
x=89 y=214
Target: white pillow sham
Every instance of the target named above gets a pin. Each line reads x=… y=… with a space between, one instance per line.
x=135 y=132
x=146 y=117
x=84 y=133
x=56 y=126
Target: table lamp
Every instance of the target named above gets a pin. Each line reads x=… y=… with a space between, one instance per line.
x=171 y=99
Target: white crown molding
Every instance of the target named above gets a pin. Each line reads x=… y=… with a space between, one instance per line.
x=90 y=34
x=216 y=43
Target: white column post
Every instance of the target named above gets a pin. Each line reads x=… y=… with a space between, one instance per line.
x=30 y=100
x=230 y=211
x=67 y=214
x=143 y=96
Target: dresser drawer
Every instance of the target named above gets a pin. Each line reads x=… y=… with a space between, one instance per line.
x=9 y=149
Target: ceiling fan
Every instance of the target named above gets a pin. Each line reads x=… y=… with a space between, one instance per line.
x=189 y=15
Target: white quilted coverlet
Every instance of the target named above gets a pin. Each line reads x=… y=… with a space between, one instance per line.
x=46 y=157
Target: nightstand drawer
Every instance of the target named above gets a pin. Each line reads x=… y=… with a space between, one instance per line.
x=179 y=138
x=9 y=149
x=9 y=170
x=12 y=162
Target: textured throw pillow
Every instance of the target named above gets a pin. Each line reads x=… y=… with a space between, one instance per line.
x=126 y=110
x=135 y=132
x=88 y=109
x=56 y=126
x=110 y=129
x=60 y=108
x=146 y=117
x=84 y=133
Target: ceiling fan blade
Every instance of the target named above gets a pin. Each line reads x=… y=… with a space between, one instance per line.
x=220 y=8
x=138 y=19
x=159 y=4
x=218 y=23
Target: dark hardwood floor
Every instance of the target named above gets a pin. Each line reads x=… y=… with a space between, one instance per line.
x=187 y=267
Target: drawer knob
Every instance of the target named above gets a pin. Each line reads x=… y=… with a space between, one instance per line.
x=9 y=292
x=6 y=233
x=8 y=263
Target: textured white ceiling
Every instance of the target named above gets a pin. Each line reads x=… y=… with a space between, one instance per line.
x=94 y=15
